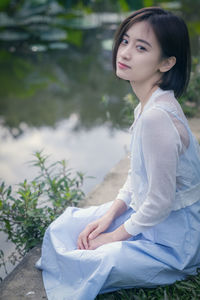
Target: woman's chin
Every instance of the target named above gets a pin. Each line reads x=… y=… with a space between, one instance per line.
x=121 y=75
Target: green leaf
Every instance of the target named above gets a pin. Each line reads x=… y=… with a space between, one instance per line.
x=9 y=191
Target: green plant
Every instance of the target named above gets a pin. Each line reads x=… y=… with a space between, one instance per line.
x=190 y=101
x=26 y=212
x=188 y=289
x=131 y=102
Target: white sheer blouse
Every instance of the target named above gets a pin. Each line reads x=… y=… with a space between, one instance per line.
x=165 y=163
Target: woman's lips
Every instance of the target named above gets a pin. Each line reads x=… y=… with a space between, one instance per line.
x=123 y=66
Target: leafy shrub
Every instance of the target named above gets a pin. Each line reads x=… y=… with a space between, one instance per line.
x=26 y=212
x=181 y=290
x=130 y=101
x=190 y=101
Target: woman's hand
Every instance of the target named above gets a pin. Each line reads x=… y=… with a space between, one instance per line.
x=101 y=239
x=120 y=234
x=92 y=230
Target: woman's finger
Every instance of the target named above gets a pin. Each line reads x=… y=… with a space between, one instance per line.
x=85 y=242
x=83 y=237
x=79 y=243
x=94 y=233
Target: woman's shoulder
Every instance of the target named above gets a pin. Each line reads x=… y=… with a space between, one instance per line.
x=158 y=122
x=154 y=116
x=163 y=106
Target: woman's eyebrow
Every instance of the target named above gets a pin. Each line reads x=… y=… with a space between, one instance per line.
x=139 y=40
x=143 y=41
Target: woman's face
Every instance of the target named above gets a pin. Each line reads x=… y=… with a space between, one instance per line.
x=139 y=55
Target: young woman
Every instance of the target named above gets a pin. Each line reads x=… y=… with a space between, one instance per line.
x=150 y=235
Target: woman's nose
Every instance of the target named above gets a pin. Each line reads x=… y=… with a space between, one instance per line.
x=126 y=53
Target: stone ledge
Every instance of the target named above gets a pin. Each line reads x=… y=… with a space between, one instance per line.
x=25 y=281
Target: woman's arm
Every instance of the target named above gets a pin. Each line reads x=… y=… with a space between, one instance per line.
x=118 y=207
x=161 y=146
x=125 y=193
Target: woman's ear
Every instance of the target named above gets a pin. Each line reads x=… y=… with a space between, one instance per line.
x=167 y=64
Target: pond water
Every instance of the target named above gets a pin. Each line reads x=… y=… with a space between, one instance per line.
x=63 y=97
x=67 y=103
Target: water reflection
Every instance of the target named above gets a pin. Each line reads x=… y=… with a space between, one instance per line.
x=48 y=88
x=92 y=151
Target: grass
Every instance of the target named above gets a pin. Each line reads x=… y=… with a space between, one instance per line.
x=181 y=290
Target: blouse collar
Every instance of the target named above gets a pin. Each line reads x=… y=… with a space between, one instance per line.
x=155 y=94
x=149 y=103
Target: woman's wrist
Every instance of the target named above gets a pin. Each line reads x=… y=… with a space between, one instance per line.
x=117 y=208
x=120 y=234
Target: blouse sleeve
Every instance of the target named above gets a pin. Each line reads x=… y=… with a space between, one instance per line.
x=125 y=193
x=160 y=147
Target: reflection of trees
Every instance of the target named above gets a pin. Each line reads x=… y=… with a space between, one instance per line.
x=42 y=89
x=13 y=6
x=50 y=23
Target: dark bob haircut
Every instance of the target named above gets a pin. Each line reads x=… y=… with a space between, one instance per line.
x=172 y=35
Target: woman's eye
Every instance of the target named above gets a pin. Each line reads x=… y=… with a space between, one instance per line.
x=124 y=41
x=141 y=48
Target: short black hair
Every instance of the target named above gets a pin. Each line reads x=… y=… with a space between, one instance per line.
x=172 y=35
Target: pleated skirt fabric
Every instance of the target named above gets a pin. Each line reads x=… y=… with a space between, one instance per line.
x=161 y=255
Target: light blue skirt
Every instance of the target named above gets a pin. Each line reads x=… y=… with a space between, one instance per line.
x=168 y=252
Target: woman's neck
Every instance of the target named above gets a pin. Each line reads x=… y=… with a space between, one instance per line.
x=143 y=93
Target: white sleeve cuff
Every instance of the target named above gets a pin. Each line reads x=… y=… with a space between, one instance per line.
x=134 y=229
x=124 y=196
